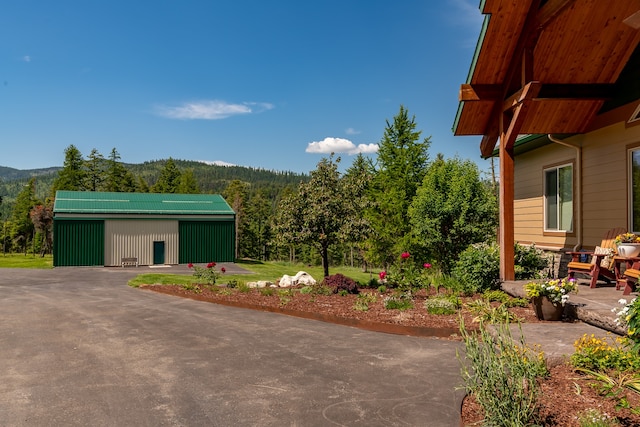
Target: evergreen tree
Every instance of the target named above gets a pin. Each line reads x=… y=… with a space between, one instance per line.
x=236 y=194
x=22 y=226
x=169 y=179
x=188 y=183
x=94 y=166
x=116 y=174
x=401 y=166
x=72 y=176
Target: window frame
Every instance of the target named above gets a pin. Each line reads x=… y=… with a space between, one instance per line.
x=545 y=170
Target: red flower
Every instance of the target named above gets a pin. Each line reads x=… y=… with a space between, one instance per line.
x=405 y=255
x=223 y=269
x=211 y=265
x=190 y=265
x=382 y=275
x=427 y=265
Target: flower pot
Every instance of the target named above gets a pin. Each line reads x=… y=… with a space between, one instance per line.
x=547 y=310
x=629 y=250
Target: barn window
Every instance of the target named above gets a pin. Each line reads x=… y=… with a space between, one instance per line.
x=558 y=198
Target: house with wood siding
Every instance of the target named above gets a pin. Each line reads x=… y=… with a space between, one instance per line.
x=554 y=91
x=111 y=229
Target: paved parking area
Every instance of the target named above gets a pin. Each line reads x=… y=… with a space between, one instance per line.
x=78 y=347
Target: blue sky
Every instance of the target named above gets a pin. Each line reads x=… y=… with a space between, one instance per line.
x=273 y=84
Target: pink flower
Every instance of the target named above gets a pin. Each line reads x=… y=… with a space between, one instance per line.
x=223 y=269
x=427 y=265
x=382 y=275
x=211 y=265
x=405 y=255
x=190 y=265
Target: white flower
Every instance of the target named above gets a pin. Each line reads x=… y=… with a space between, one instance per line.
x=622 y=301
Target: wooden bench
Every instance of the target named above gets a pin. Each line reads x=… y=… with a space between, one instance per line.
x=129 y=261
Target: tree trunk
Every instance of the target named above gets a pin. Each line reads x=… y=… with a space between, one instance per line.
x=324 y=252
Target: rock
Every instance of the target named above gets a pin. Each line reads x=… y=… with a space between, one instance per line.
x=286 y=281
x=301 y=278
x=304 y=278
x=260 y=284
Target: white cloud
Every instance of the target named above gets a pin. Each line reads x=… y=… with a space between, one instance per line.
x=210 y=110
x=340 y=145
x=26 y=58
x=351 y=131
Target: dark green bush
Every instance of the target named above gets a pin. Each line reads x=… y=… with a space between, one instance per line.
x=340 y=282
x=478 y=268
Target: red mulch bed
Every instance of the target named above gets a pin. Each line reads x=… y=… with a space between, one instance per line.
x=565 y=393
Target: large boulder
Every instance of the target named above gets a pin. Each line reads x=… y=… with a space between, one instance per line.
x=301 y=278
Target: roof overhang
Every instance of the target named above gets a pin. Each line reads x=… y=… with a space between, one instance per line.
x=551 y=64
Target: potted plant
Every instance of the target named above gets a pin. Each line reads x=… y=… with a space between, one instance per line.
x=628 y=244
x=550 y=297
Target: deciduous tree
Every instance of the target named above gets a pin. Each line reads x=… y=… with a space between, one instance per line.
x=452 y=209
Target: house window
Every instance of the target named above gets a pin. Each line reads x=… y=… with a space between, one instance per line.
x=634 y=174
x=558 y=198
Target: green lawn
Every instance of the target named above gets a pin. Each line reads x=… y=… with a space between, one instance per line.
x=261 y=271
x=25 y=261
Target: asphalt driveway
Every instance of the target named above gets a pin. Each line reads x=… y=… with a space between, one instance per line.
x=78 y=347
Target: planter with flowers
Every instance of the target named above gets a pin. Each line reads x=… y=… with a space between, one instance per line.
x=628 y=245
x=550 y=297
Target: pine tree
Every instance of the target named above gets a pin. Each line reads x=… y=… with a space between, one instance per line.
x=401 y=166
x=72 y=176
x=169 y=178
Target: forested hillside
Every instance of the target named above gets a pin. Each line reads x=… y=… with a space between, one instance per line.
x=209 y=179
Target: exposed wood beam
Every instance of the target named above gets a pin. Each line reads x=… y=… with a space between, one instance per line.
x=527 y=93
x=582 y=92
x=470 y=92
x=549 y=11
x=578 y=91
x=488 y=144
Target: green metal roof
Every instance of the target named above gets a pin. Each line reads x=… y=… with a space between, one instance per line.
x=140 y=203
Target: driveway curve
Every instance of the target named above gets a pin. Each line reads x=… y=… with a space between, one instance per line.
x=79 y=347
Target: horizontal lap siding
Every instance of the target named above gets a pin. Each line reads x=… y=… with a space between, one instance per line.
x=134 y=238
x=528 y=193
x=605 y=180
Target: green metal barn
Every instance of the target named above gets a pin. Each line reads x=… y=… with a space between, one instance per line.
x=109 y=229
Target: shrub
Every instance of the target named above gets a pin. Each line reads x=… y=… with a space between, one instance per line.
x=267 y=292
x=496 y=295
x=382 y=289
x=604 y=354
x=339 y=282
x=594 y=418
x=502 y=375
x=629 y=317
x=478 y=268
x=399 y=301
x=207 y=275
x=364 y=300
x=529 y=262
x=442 y=304
x=486 y=313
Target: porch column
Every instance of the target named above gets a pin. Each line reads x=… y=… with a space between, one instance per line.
x=507 y=255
